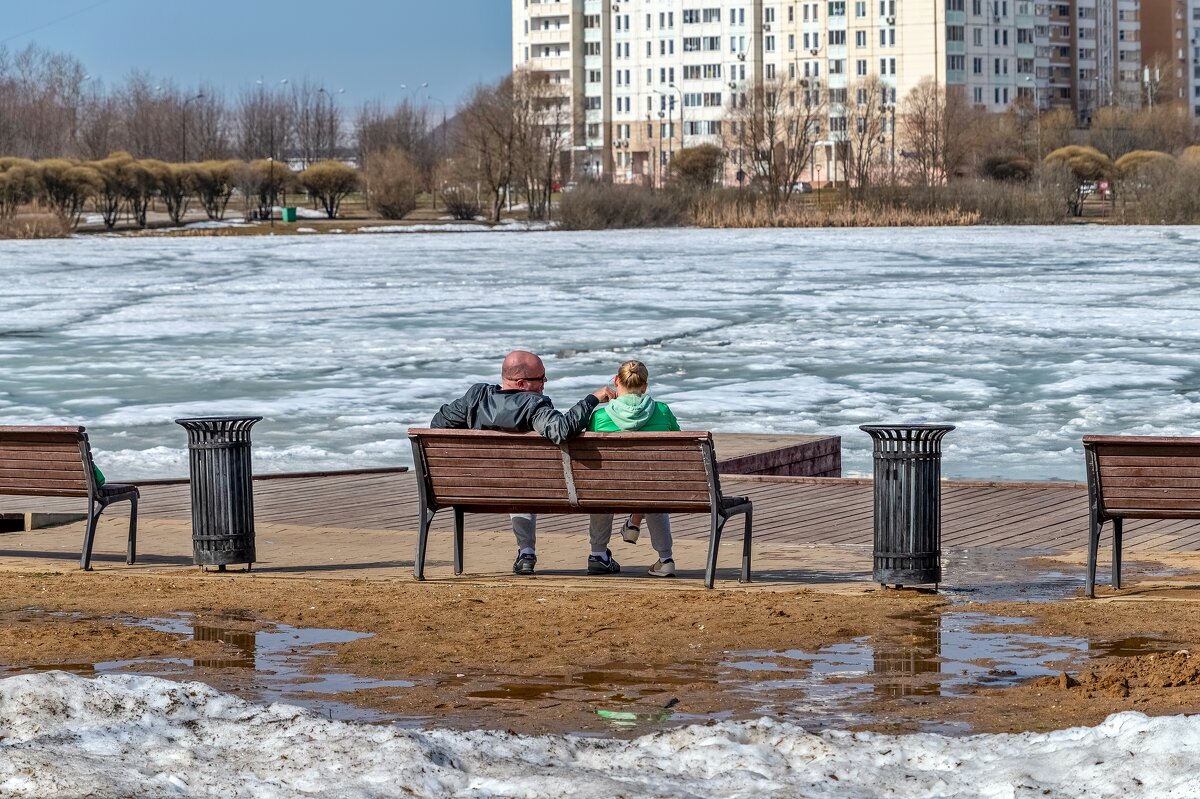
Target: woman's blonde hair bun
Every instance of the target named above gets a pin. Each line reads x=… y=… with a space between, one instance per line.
x=634 y=376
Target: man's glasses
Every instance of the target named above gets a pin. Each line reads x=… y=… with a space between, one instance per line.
x=534 y=379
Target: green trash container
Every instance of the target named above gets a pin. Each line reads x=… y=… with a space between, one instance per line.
x=288 y=213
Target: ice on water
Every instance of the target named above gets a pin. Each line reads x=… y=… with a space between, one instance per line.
x=62 y=735
x=1026 y=338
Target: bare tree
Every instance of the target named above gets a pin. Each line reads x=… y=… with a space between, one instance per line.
x=865 y=137
x=99 y=125
x=316 y=121
x=151 y=114
x=205 y=126
x=542 y=113
x=488 y=140
x=938 y=125
x=405 y=128
x=39 y=96
x=263 y=123
x=774 y=128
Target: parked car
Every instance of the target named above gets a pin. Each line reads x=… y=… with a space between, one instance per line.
x=802 y=187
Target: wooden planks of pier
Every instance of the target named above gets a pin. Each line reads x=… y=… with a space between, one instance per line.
x=1046 y=516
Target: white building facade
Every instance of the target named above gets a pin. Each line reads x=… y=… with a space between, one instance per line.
x=649 y=77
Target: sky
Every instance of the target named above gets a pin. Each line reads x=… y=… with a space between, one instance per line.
x=371 y=49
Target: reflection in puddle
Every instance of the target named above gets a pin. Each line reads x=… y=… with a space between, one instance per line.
x=929 y=655
x=924 y=657
x=268 y=665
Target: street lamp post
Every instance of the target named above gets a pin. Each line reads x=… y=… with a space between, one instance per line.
x=661 y=114
x=891 y=109
x=1149 y=85
x=676 y=88
x=183 y=126
x=1037 y=110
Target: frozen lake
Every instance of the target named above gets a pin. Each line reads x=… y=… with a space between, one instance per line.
x=1026 y=338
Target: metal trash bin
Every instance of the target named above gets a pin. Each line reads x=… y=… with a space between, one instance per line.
x=222 y=491
x=287 y=213
x=908 y=502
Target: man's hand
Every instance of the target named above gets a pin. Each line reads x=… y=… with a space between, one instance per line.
x=605 y=393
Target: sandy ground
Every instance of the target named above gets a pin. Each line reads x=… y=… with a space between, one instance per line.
x=538 y=658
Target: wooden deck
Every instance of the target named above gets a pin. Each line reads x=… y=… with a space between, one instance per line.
x=787 y=510
x=1048 y=516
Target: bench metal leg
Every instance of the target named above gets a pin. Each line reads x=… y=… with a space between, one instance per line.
x=1094 y=527
x=1116 y=556
x=85 y=559
x=714 y=543
x=458 y=541
x=422 y=541
x=131 y=550
x=745 y=578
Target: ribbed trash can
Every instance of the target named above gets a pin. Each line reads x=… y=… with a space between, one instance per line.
x=908 y=502
x=222 y=489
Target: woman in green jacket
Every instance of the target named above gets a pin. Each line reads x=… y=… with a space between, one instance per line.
x=633 y=410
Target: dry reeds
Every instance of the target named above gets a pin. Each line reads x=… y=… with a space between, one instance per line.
x=34 y=226
x=726 y=211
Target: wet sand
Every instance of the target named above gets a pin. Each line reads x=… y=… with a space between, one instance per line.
x=546 y=658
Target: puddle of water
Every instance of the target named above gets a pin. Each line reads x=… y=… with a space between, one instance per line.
x=986 y=575
x=627 y=695
x=929 y=655
x=926 y=656
x=1133 y=647
x=268 y=665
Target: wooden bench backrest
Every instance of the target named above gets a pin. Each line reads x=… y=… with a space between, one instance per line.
x=483 y=470
x=1144 y=476
x=45 y=461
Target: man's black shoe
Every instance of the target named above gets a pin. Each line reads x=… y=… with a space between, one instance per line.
x=605 y=565
x=524 y=564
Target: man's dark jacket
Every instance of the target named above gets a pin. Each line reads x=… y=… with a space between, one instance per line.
x=488 y=407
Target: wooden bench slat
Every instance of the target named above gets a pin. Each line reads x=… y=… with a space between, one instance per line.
x=1138 y=449
x=464 y=454
x=1157 y=513
x=42 y=491
x=39 y=468
x=1109 y=472
x=587 y=456
x=655 y=464
x=625 y=505
x=440 y=483
x=59 y=450
x=45 y=461
x=1171 y=462
x=677 y=480
x=514 y=471
x=645 y=496
x=1149 y=503
x=1113 y=495
x=1115 y=484
x=503 y=491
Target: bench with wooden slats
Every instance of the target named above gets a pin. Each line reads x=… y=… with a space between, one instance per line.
x=57 y=462
x=485 y=471
x=1137 y=477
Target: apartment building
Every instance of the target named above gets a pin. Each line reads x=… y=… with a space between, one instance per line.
x=649 y=77
x=1170 y=39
